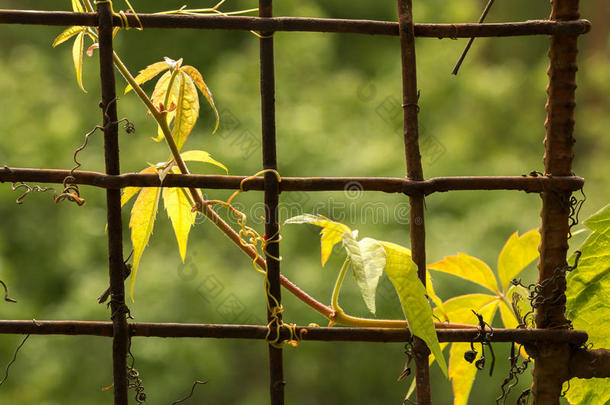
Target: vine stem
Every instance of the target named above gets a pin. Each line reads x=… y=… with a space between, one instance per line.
x=335 y=315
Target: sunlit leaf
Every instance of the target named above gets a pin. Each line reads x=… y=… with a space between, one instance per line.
x=129 y=192
x=469 y=268
x=180 y=213
x=332 y=232
x=518 y=252
x=67 y=34
x=187 y=109
x=77 y=56
x=77 y=6
x=588 y=302
x=402 y=272
x=142 y=221
x=439 y=311
x=367 y=260
x=201 y=156
x=198 y=79
x=148 y=73
x=461 y=372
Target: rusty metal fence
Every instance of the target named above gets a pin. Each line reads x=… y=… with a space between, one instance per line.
x=552 y=337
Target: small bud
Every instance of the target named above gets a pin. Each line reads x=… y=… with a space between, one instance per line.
x=480 y=364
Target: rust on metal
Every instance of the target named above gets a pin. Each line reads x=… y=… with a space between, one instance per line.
x=528 y=184
x=300 y=24
x=259 y=332
x=113 y=203
x=552 y=363
x=410 y=106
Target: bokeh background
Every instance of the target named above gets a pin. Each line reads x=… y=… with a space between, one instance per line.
x=338 y=114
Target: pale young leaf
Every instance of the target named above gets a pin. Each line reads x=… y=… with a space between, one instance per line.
x=181 y=214
x=198 y=79
x=148 y=73
x=332 y=232
x=367 y=260
x=187 y=109
x=67 y=34
x=402 y=272
x=469 y=268
x=201 y=156
x=518 y=252
x=77 y=57
x=141 y=223
x=77 y=6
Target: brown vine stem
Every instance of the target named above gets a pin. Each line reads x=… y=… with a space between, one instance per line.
x=206 y=209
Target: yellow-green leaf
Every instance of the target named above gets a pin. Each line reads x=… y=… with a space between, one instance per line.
x=588 y=298
x=129 y=192
x=77 y=6
x=367 y=259
x=439 y=311
x=77 y=56
x=402 y=272
x=461 y=372
x=187 y=109
x=198 y=79
x=201 y=156
x=469 y=268
x=181 y=214
x=142 y=221
x=148 y=73
x=67 y=34
x=518 y=252
x=161 y=89
x=332 y=232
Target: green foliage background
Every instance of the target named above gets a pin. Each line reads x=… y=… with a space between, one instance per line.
x=333 y=92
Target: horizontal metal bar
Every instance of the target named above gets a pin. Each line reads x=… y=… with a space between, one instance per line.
x=528 y=184
x=181 y=330
x=536 y=27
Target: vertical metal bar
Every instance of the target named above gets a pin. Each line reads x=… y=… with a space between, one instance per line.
x=276 y=368
x=551 y=368
x=414 y=172
x=113 y=201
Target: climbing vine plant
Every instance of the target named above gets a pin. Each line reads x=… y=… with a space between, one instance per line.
x=175 y=106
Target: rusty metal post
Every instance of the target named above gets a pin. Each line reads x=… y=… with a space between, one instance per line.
x=410 y=106
x=552 y=361
x=274 y=315
x=113 y=201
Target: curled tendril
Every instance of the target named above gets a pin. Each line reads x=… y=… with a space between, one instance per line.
x=195 y=384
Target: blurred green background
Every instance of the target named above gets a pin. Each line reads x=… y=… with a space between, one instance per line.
x=337 y=115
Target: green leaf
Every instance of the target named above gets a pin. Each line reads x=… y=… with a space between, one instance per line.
x=148 y=73
x=402 y=272
x=187 y=109
x=67 y=34
x=77 y=6
x=461 y=372
x=588 y=302
x=201 y=156
x=518 y=252
x=440 y=308
x=181 y=214
x=198 y=79
x=77 y=57
x=142 y=221
x=367 y=259
x=332 y=232
x=469 y=268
